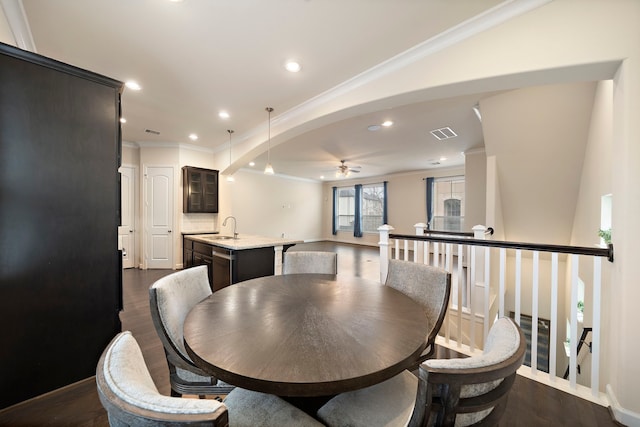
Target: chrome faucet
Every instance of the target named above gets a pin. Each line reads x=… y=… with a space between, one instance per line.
x=224 y=223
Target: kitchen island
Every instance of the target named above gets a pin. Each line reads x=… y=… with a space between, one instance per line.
x=231 y=260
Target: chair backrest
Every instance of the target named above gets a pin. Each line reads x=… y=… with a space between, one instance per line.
x=130 y=397
x=317 y=262
x=170 y=300
x=429 y=286
x=474 y=390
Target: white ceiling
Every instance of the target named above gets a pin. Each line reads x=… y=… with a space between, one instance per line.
x=196 y=57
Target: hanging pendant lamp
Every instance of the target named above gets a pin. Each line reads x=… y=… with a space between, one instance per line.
x=268 y=170
x=230 y=177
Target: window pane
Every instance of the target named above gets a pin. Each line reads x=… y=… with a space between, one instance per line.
x=345 y=211
x=448 y=204
x=372 y=207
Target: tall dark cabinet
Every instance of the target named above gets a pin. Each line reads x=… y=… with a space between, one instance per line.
x=60 y=268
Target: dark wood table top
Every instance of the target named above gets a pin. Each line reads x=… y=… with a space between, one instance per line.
x=305 y=334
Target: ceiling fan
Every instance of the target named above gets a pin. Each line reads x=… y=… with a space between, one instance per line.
x=345 y=171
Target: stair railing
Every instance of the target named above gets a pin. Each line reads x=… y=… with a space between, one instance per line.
x=491 y=278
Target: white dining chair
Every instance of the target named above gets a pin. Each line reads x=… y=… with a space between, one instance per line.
x=429 y=286
x=448 y=392
x=316 y=262
x=128 y=393
x=170 y=300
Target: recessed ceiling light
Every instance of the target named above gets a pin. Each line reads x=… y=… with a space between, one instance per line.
x=373 y=128
x=223 y=114
x=387 y=123
x=293 y=66
x=252 y=163
x=123 y=120
x=321 y=176
x=442 y=159
x=193 y=137
x=133 y=85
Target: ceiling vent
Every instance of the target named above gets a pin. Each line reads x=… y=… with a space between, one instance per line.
x=155 y=132
x=443 y=133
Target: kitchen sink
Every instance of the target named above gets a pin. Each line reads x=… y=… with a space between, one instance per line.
x=222 y=238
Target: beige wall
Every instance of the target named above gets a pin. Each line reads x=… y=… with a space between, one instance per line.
x=406 y=205
x=272 y=205
x=475 y=171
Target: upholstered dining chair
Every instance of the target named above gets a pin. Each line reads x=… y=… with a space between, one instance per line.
x=429 y=286
x=318 y=262
x=448 y=392
x=128 y=393
x=170 y=300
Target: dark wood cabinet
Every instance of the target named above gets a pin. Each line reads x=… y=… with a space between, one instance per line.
x=60 y=268
x=227 y=266
x=199 y=190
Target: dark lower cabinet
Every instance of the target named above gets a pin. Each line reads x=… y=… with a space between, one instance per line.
x=228 y=266
x=60 y=268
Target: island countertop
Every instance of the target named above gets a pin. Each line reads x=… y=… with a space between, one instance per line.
x=244 y=241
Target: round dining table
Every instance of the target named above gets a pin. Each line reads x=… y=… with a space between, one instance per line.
x=305 y=334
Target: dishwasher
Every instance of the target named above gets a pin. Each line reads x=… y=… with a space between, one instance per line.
x=222 y=268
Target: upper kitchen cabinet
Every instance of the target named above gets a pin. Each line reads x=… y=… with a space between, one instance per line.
x=200 y=190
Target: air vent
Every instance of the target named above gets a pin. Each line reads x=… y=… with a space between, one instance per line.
x=155 y=132
x=443 y=133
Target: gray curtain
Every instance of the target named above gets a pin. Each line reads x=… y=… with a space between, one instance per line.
x=384 y=203
x=429 y=203
x=357 y=221
x=334 y=229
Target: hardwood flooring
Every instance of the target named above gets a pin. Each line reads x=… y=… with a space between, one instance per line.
x=529 y=404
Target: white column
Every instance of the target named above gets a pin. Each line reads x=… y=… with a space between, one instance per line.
x=384 y=250
x=277 y=260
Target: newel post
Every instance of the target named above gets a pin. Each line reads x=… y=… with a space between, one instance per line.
x=384 y=250
x=479 y=232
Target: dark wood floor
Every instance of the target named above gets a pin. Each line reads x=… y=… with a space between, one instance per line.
x=530 y=403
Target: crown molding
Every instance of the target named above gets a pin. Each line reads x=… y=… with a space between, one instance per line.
x=19 y=24
x=456 y=34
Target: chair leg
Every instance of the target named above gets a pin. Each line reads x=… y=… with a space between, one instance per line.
x=175 y=393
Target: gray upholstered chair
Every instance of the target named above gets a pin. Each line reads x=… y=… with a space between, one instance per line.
x=130 y=397
x=170 y=300
x=317 y=262
x=429 y=286
x=449 y=392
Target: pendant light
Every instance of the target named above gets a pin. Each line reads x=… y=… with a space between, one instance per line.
x=230 y=177
x=268 y=170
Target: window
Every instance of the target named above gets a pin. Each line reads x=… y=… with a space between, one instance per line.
x=359 y=208
x=445 y=203
x=345 y=208
x=372 y=207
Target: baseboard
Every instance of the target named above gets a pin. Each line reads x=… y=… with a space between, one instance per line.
x=620 y=414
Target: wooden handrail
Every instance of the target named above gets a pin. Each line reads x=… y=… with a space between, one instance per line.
x=578 y=250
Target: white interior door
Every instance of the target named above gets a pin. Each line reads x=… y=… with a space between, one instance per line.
x=126 y=231
x=159 y=224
